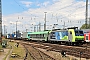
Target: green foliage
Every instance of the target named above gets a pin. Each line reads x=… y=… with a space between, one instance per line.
x=84 y=26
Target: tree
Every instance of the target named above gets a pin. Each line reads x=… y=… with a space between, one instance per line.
x=84 y=26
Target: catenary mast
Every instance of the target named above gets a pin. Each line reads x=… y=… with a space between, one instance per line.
x=0 y=21
x=86 y=13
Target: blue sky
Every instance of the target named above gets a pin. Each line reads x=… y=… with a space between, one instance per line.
x=10 y=7
x=15 y=6
x=32 y=12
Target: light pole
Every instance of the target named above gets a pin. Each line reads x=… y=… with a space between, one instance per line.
x=45 y=21
x=11 y=27
x=4 y=30
x=34 y=28
x=64 y=25
x=39 y=26
x=16 y=29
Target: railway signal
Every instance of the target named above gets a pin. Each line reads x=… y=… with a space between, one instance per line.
x=63 y=53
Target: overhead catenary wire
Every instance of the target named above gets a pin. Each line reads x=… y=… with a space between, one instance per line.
x=68 y=15
x=71 y=10
x=73 y=3
x=71 y=14
x=19 y=5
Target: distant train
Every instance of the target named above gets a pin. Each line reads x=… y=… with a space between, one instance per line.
x=13 y=36
x=69 y=36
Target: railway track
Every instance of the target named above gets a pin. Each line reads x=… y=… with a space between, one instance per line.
x=70 y=50
x=36 y=54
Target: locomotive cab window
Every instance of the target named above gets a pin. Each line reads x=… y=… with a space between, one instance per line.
x=43 y=35
x=81 y=32
x=76 y=33
x=86 y=37
x=28 y=34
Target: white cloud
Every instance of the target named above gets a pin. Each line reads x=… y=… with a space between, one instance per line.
x=63 y=10
x=26 y=3
x=46 y=3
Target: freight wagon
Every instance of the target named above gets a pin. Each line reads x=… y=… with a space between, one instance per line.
x=10 y=36
x=26 y=35
x=13 y=36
